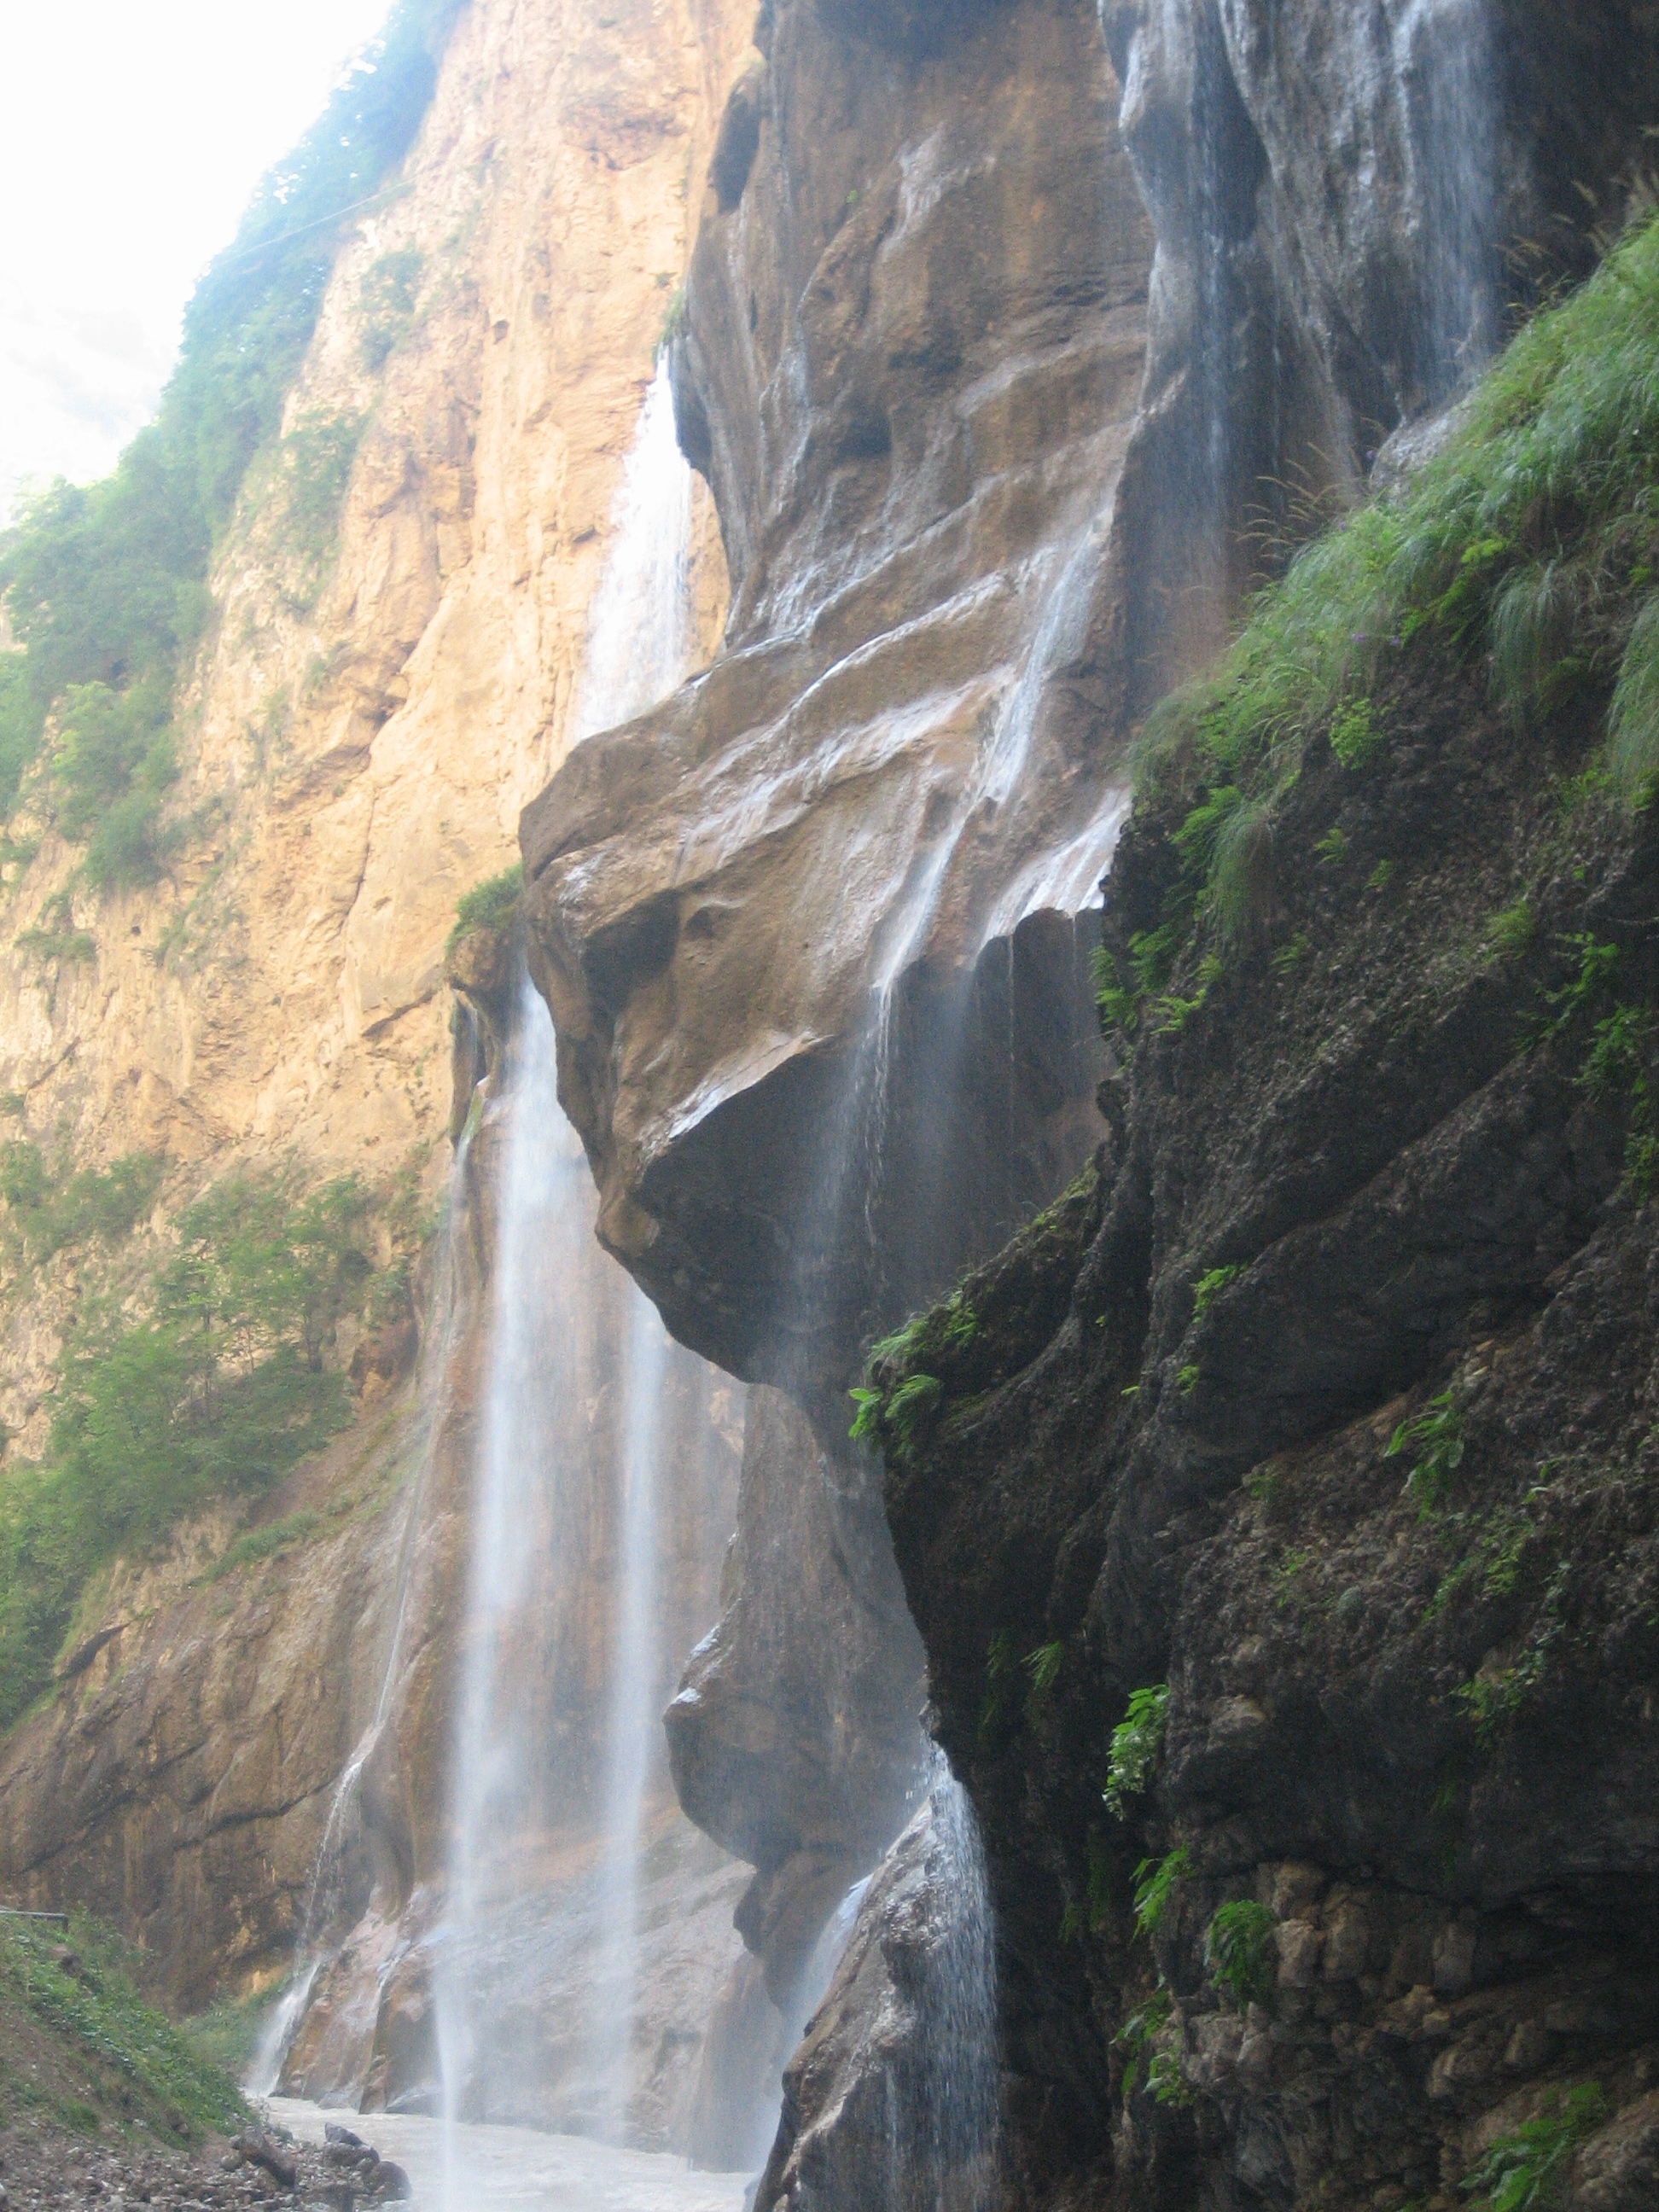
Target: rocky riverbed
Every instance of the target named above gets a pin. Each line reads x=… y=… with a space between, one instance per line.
x=384 y=2159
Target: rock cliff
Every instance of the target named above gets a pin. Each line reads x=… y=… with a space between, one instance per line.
x=1339 y=1206
x=375 y=698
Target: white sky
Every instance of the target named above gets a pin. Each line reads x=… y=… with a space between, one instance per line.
x=132 y=133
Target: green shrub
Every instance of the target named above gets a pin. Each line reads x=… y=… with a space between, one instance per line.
x=1539 y=505
x=46 y=1213
x=313 y=467
x=1633 y=724
x=1239 y=1950
x=1136 y=1742
x=492 y=905
x=1043 y=1666
x=998 y=1703
x=1526 y=2171
x=1139 y=2034
x=1511 y=933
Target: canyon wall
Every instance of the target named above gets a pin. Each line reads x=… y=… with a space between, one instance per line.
x=369 y=711
x=779 y=921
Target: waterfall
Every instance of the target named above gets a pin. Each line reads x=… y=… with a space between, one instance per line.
x=569 y=1643
x=1445 y=58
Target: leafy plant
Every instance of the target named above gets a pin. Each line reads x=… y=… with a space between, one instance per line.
x=1139 y=2034
x=1001 y=1665
x=1525 y=2172
x=1239 y=1950
x=1332 y=848
x=1380 y=877
x=215 y=1387
x=1187 y=1379
x=1155 y=1883
x=1136 y=1742
x=1043 y=1666
x=121 y=2046
x=1438 y=1434
x=1634 y=721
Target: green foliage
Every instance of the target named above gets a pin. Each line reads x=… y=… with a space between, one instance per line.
x=45 y=1211
x=1152 y=952
x=1494 y=1697
x=107 y=585
x=673 y=321
x=1380 y=877
x=1043 y=1666
x=214 y=1390
x=71 y=948
x=1239 y=1950
x=1155 y=1882
x=1187 y=1379
x=114 y=2039
x=492 y=905
x=1139 y=2034
x=1526 y=2171
x=1332 y=848
x=1136 y=1742
x=1497 y=545
x=313 y=467
x=1438 y=1434
x=1598 y=964
x=1209 y=1287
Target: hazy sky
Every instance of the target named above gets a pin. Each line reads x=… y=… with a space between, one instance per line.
x=131 y=134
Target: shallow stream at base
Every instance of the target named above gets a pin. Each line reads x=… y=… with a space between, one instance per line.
x=518 y=2169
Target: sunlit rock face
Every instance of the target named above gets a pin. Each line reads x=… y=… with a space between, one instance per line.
x=912 y=340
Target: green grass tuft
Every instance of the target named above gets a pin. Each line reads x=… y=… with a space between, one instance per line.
x=491 y=905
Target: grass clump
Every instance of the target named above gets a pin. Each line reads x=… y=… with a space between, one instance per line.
x=492 y=905
x=1136 y=1742
x=1526 y=2171
x=110 y=2044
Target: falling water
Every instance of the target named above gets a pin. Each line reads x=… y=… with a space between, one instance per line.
x=569 y=1453
x=958 y=2107
x=1445 y=56
x=318 y=1923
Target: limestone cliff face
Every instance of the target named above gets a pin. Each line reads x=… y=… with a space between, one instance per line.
x=913 y=336
x=373 y=705
x=372 y=711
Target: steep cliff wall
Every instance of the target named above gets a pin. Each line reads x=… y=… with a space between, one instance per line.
x=384 y=683
x=1326 y=1124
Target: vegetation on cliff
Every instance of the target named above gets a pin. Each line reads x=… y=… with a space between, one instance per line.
x=106 y=587
x=206 y=1377
x=80 y=2044
x=1529 y=544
